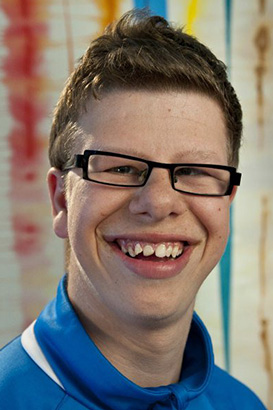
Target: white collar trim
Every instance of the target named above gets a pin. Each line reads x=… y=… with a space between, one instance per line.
x=31 y=346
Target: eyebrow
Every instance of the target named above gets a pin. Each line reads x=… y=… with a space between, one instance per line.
x=194 y=154
x=198 y=154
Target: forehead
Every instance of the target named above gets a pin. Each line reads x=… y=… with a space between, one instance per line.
x=164 y=126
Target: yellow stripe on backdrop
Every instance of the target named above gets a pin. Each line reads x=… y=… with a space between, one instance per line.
x=193 y=12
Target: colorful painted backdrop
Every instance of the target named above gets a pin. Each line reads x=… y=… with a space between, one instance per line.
x=40 y=43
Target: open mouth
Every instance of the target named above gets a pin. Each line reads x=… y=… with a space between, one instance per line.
x=151 y=251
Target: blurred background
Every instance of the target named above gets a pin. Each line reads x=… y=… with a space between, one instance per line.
x=41 y=40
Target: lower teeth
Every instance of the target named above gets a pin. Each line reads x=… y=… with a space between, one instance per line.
x=157 y=258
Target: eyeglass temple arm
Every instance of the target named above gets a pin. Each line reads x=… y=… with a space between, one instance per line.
x=78 y=161
x=236 y=180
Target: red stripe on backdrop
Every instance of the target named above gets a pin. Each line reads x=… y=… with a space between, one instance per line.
x=25 y=39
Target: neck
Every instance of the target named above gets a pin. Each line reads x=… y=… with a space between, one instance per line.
x=148 y=358
x=150 y=354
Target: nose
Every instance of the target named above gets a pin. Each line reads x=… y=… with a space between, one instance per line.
x=157 y=200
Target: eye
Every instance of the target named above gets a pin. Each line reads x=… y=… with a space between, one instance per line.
x=190 y=171
x=123 y=170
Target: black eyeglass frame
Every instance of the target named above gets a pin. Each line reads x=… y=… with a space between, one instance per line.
x=81 y=161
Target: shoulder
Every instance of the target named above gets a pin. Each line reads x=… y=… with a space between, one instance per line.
x=22 y=383
x=225 y=388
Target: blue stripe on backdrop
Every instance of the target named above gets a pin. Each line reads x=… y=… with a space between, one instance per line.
x=225 y=285
x=226 y=261
x=158 y=7
x=228 y=17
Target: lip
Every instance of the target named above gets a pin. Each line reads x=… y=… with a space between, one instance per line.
x=151 y=237
x=150 y=269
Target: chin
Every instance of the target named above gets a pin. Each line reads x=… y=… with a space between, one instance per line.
x=159 y=314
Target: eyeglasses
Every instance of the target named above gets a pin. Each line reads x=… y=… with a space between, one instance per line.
x=120 y=170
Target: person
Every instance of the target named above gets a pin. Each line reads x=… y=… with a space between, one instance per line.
x=144 y=153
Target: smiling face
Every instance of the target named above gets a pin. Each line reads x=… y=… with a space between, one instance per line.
x=107 y=226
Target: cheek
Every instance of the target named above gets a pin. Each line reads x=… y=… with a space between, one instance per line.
x=213 y=214
x=222 y=221
x=90 y=207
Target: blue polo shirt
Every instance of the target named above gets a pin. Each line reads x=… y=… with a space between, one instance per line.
x=55 y=365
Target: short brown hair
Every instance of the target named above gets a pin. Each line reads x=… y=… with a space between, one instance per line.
x=140 y=51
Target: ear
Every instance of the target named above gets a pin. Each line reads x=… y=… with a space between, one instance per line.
x=58 y=202
x=233 y=193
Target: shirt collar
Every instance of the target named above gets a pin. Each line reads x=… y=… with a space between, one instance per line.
x=92 y=380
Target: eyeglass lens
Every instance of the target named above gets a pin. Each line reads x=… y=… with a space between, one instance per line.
x=115 y=170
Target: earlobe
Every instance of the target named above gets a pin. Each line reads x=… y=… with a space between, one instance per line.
x=58 y=202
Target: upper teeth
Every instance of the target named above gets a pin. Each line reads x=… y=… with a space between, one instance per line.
x=160 y=250
x=148 y=250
